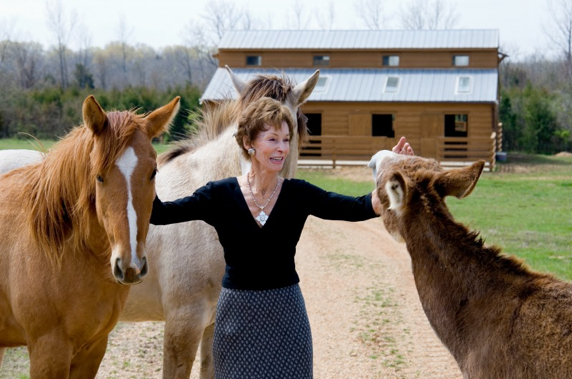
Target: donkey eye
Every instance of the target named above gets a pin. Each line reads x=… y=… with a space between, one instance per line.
x=153 y=174
x=99 y=178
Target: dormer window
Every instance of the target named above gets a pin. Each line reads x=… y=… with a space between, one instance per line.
x=391 y=60
x=392 y=84
x=322 y=85
x=321 y=60
x=460 y=60
x=464 y=84
x=253 y=60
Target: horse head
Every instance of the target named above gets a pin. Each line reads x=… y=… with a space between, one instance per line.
x=123 y=170
x=408 y=185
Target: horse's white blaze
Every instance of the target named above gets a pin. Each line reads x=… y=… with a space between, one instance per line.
x=126 y=164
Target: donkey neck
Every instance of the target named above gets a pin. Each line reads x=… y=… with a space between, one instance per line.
x=454 y=272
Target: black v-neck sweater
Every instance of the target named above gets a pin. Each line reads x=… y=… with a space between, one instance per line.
x=257 y=257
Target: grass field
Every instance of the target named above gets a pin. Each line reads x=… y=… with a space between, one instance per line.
x=525 y=208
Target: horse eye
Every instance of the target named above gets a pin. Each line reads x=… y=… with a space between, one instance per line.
x=99 y=178
x=153 y=174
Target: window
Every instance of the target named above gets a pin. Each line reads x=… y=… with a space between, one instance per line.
x=253 y=60
x=456 y=125
x=322 y=85
x=460 y=60
x=321 y=60
x=464 y=84
x=382 y=125
x=392 y=84
x=391 y=60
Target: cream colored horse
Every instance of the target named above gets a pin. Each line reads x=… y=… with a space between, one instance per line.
x=186 y=260
x=73 y=231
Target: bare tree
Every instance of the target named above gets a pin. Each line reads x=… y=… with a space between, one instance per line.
x=28 y=58
x=102 y=67
x=221 y=16
x=84 y=43
x=6 y=29
x=429 y=15
x=371 y=13
x=326 y=20
x=124 y=33
x=559 y=30
x=62 y=29
x=298 y=19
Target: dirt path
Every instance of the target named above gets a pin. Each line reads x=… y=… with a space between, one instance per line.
x=366 y=318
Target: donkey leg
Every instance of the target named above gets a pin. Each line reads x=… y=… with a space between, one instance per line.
x=181 y=342
x=86 y=362
x=50 y=357
x=207 y=363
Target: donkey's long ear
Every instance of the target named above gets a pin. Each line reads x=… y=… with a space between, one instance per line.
x=93 y=115
x=303 y=90
x=461 y=182
x=239 y=84
x=396 y=189
x=159 y=120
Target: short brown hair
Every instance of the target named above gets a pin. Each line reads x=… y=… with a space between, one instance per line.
x=264 y=111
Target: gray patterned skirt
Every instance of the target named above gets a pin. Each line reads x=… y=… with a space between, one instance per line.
x=262 y=335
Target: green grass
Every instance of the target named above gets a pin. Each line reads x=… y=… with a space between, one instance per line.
x=327 y=180
x=525 y=208
x=33 y=144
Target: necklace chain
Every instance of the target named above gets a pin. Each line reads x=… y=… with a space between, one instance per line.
x=254 y=198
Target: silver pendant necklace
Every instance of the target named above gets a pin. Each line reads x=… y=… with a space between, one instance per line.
x=262 y=217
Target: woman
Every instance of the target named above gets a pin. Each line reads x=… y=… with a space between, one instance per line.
x=261 y=328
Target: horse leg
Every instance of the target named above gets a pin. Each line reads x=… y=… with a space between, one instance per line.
x=50 y=357
x=87 y=360
x=181 y=342
x=207 y=364
x=2 y=351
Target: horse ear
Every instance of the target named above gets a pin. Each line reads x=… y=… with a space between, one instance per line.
x=396 y=189
x=159 y=120
x=238 y=83
x=303 y=90
x=460 y=182
x=93 y=115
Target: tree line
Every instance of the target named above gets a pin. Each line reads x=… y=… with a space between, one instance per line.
x=42 y=89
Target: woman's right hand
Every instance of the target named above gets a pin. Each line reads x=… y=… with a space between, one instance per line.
x=403 y=147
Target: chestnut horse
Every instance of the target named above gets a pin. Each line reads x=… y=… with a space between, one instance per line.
x=187 y=262
x=498 y=318
x=72 y=235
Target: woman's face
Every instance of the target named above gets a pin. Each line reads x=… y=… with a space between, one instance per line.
x=272 y=147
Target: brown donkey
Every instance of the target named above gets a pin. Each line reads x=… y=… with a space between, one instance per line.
x=498 y=318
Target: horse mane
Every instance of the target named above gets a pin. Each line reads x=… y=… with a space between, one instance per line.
x=213 y=120
x=59 y=193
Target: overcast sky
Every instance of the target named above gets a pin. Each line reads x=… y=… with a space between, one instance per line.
x=162 y=23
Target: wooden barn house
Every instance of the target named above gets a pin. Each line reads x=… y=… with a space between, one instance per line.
x=437 y=88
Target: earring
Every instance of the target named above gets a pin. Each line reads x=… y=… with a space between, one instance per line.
x=251 y=151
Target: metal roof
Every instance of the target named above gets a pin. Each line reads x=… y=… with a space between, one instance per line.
x=419 y=85
x=360 y=39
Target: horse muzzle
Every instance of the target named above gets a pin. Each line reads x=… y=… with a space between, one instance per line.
x=131 y=274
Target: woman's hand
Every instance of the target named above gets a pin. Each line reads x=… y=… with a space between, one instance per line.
x=403 y=147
